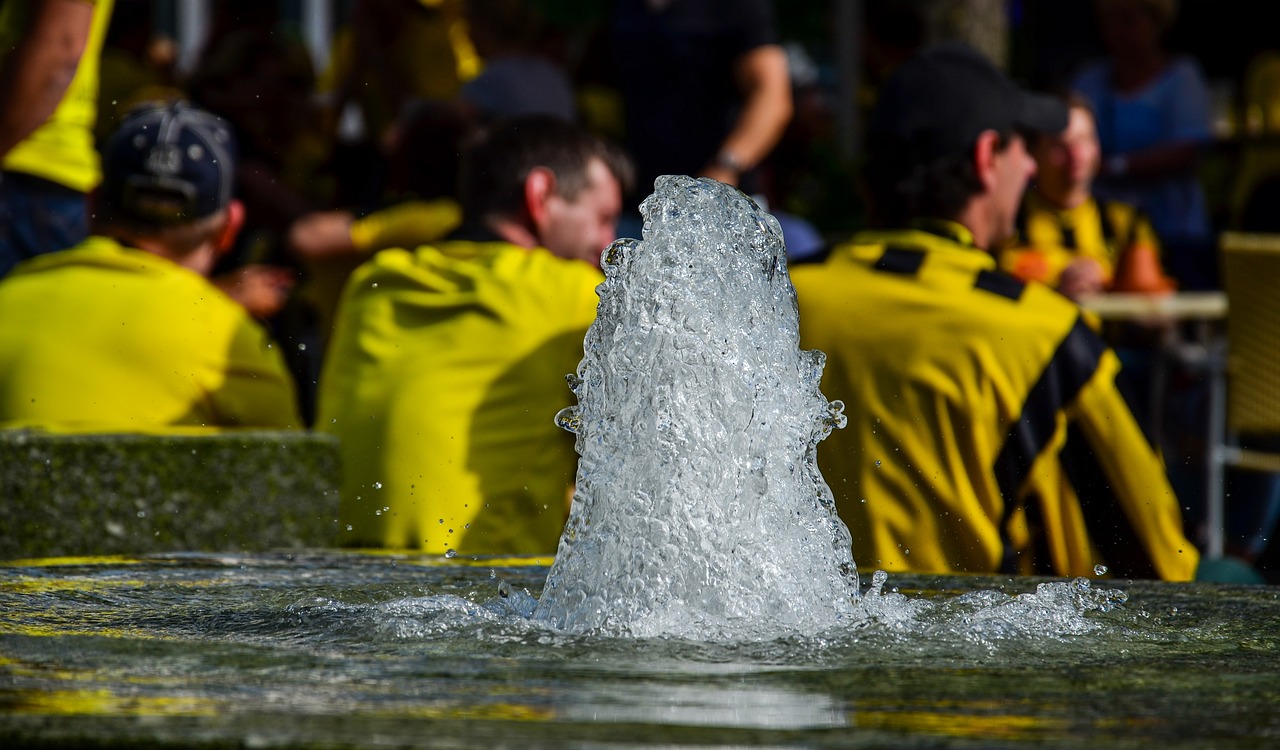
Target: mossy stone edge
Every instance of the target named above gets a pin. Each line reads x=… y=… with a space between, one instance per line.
x=72 y=495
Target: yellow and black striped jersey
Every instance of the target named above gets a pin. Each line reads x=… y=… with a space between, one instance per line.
x=1051 y=238
x=987 y=432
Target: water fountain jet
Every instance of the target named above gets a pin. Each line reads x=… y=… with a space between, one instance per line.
x=699 y=511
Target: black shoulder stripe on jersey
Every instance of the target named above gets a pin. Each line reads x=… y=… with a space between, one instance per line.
x=1109 y=526
x=999 y=283
x=1068 y=370
x=1041 y=558
x=903 y=260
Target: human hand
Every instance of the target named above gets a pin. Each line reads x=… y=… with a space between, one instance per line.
x=260 y=289
x=1082 y=277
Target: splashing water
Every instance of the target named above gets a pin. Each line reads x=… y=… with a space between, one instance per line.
x=700 y=511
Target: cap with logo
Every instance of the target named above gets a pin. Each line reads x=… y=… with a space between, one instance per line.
x=167 y=164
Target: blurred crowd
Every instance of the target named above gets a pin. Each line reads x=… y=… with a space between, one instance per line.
x=359 y=215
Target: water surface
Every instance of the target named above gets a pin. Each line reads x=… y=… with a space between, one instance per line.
x=345 y=649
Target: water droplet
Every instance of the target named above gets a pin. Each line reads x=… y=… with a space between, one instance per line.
x=877 y=463
x=451 y=553
x=568 y=419
x=1099 y=570
x=377 y=485
x=349 y=527
x=302 y=347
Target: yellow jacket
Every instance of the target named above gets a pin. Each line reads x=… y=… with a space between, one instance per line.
x=62 y=149
x=442 y=381
x=104 y=338
x=986 y=432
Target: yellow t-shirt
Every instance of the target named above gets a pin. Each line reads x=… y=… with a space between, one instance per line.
x=62 y=149
x=442 y=381
x=107 y=338
x=986 y=432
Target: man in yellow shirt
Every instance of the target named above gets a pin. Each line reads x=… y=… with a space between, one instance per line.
x=986 y=432
x=49 y=56
x=124 y=332
x=448 y=361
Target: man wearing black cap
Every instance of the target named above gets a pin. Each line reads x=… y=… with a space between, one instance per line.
x=124 y=332
x=986 y=429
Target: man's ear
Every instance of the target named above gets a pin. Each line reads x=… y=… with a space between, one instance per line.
x=539 y=187
x=235 y=222
x=985 y=151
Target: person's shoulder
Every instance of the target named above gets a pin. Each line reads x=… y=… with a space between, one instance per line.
x=450 y=262
x=385 y=265
x=548 y=266
x=842 y=255
x=92 y=255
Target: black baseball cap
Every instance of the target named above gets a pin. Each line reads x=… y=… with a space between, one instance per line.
x=937 y=103
x=167 y=164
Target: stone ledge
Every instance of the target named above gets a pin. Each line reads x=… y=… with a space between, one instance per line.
x=72 y=495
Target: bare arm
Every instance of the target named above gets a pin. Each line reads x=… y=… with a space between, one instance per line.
x=41 y=67
x=322 y=235
x=765 y=81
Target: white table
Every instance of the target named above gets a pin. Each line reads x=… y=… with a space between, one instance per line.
x=1157 y=307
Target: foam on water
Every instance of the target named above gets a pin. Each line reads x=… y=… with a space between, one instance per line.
x=700 y=511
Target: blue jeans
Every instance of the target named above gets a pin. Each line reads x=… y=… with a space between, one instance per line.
x=37 y=217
